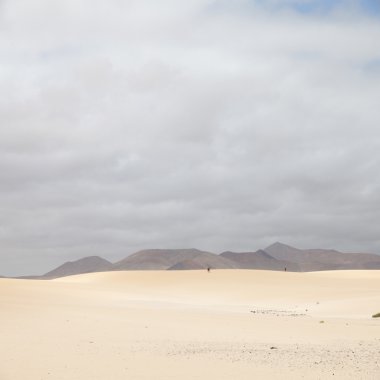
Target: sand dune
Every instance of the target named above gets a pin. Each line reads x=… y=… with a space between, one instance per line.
x=226 y=324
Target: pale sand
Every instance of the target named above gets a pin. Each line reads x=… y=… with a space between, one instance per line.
x=191 y=325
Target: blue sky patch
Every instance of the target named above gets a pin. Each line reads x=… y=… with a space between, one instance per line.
x=321 y=6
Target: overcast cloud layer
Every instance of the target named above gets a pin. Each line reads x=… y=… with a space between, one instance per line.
x=222 y=125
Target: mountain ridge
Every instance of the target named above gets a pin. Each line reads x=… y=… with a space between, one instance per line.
x=323 y=259
x=163 y=259
x=277 y=256
x=259 y=260
x=87 y=264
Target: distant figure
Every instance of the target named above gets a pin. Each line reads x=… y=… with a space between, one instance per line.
x=208 y=269
x=285 y=269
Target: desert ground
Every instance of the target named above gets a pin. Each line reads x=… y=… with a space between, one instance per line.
x=226 y=324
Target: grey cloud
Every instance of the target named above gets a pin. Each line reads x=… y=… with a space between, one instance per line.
x=126 y=125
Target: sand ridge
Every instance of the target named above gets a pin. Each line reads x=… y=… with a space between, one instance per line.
x=192 y=325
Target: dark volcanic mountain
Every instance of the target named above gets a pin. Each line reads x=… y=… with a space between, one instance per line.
x=86 y=265
x=188 y=265
x=323 y=259
x=259 y=260
x=277 y=256
x=161 y=259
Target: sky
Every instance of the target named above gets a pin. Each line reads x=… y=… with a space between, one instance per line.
x=220 y=125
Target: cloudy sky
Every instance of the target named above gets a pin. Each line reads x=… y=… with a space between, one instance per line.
x=221 y=125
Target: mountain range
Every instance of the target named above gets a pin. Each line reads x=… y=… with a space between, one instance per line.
x=277 y=256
